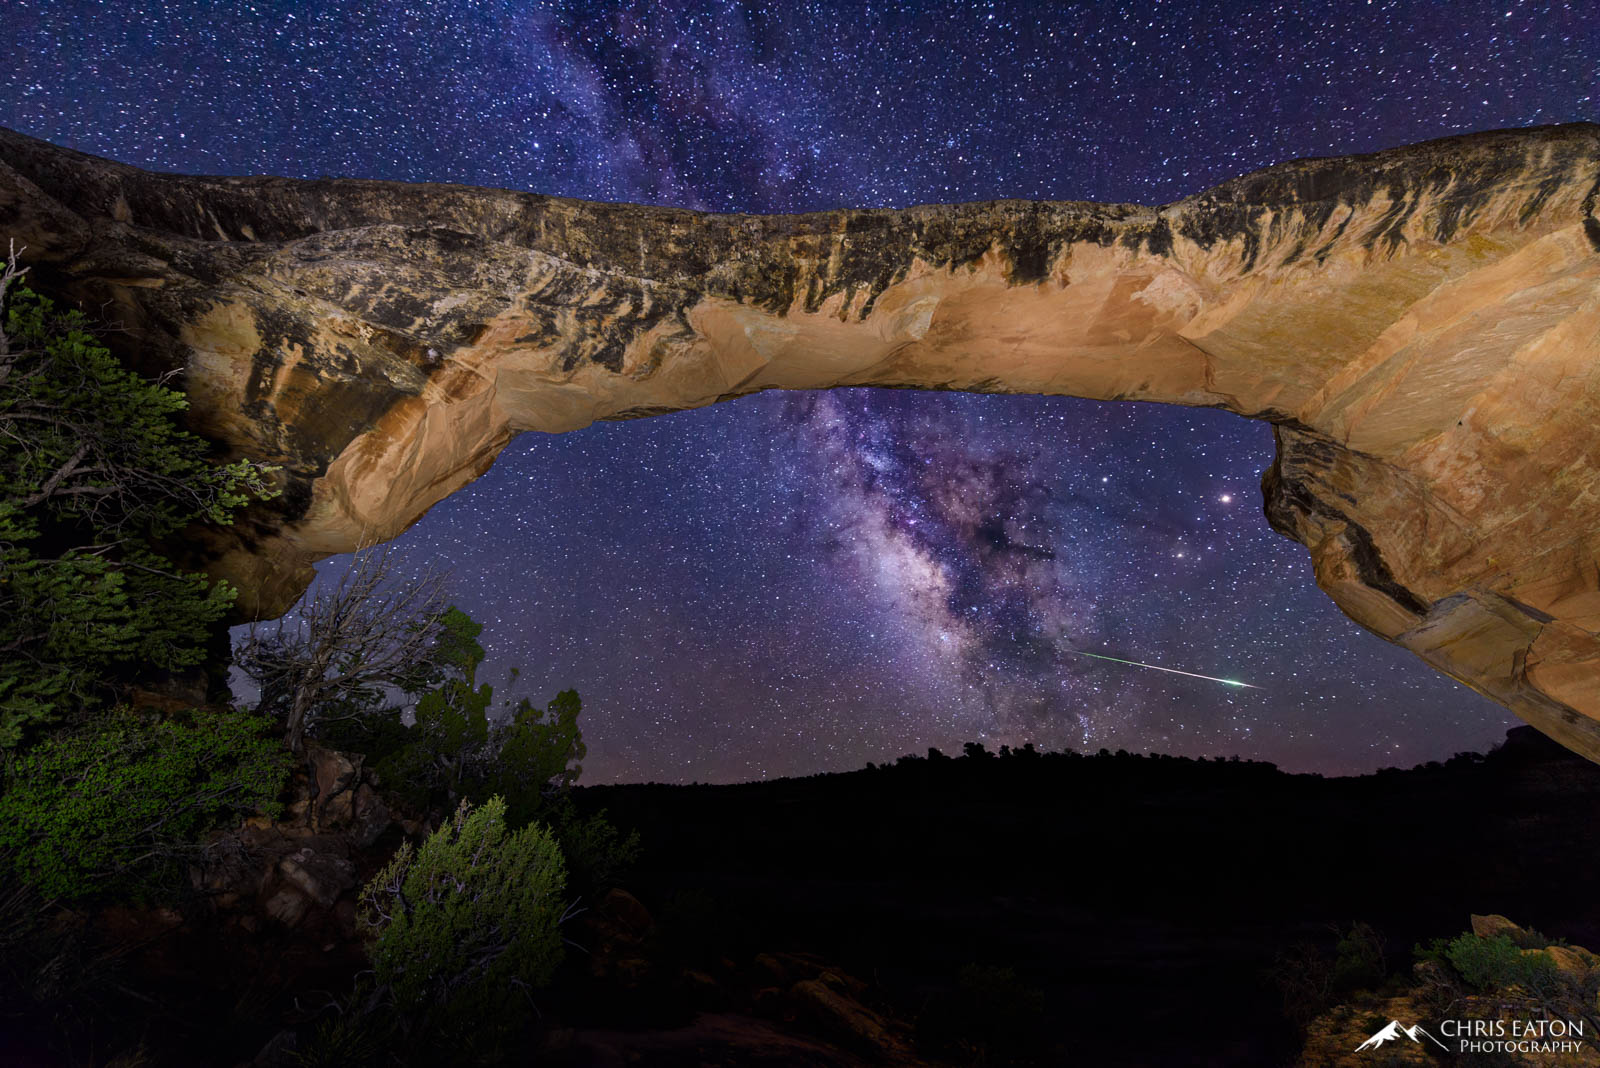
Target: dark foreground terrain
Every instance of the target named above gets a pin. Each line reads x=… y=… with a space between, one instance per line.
x=1153 y=910
x=992 y=909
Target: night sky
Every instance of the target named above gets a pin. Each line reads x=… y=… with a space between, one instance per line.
x=792 y=583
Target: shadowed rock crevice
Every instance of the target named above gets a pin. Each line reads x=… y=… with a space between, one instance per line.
x=1421 y=325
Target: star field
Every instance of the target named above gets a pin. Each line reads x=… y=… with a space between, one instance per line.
x=794 y=583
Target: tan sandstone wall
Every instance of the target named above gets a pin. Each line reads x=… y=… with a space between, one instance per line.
x=1421 y=327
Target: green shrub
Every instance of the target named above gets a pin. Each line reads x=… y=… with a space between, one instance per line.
x=95 y=474
x=1358 y=962
x=357 y=1030
x=379 y=737
x=118 y=802
x=466 y=926
x=1488 y=964
x=1533 y=938
x=597 y=853
x=457 y=750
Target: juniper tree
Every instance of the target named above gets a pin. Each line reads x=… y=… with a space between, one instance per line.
x=467 y=925
x=350 y=648
x=459 y=748
x=95 y=475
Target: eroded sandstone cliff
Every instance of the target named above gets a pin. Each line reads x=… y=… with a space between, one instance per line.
x=1421 y=327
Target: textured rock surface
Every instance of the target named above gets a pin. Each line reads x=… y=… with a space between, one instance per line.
x=305 y=870
x=1436 y=995
x=1421 y=327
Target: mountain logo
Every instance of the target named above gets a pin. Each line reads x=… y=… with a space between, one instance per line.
x=1392 y=1031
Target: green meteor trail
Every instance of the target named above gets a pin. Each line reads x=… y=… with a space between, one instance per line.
x=1174 y=671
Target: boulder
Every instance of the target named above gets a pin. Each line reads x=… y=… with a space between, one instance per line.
x=769 y=969
x=623 y=908
x=1569 y=962
x=842 y=1018
x=369 y=815
x=288 y=906
x=320 y=876
x=1493 y=926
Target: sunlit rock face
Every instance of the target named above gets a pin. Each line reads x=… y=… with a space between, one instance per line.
x=1421 y=327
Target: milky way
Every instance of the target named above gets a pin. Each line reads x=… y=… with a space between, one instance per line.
x=792 y=583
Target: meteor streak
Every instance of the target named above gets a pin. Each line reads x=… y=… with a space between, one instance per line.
x=1173 y=671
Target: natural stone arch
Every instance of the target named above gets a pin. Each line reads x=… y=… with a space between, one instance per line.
x=1420 y=326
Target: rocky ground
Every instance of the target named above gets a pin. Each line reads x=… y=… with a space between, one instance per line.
x=1434 y=992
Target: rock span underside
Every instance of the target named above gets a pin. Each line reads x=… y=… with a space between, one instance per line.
x=1421 y=327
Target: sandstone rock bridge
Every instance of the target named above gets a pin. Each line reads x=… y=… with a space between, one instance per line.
x=1420 y=326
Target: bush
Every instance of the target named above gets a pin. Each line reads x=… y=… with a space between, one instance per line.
x=116 y=803
x=348 y=647
x=597 y=854
x=1304 y=978
x=1358 y=962
x=356 y=1030
x=1496 y=963
x=95 y=474
x=458 y=749
x=468 y=925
